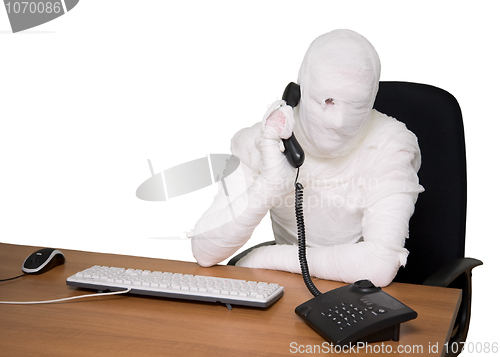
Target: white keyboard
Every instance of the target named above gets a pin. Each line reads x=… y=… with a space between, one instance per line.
x=179 y=286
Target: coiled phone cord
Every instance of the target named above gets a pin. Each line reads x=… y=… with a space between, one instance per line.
x=301 y=234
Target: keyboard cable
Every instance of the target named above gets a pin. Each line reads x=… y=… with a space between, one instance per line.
x=64 y=299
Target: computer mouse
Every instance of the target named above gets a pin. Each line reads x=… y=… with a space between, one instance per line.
x=42 y=261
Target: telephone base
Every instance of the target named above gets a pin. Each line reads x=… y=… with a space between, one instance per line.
x=355 y=313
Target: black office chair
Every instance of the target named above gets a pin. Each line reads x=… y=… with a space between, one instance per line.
x=437 y=228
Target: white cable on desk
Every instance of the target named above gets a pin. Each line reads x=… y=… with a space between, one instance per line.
x=64 y=299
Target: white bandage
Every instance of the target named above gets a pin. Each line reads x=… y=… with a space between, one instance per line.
x=360 y=175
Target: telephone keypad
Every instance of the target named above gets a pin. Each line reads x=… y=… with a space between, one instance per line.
x=348 y=314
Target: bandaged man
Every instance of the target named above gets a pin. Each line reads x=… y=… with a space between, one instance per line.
x=359 y=175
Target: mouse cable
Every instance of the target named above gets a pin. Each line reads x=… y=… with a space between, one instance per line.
x=13 y=277
x=64 y=299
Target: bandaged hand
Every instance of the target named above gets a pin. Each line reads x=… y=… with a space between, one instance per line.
x=276 y=173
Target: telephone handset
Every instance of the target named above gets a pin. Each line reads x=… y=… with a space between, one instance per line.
x=293 y=151
x=360 y=312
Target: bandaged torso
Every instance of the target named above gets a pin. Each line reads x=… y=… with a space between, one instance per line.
x=338 y=191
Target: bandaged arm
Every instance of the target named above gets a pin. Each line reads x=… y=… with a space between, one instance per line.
x=263 y=175
x=230 y=221
x=377 y=258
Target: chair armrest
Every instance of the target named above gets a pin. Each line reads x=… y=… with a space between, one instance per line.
x=457 y=274
x=451 y=271
x=235 y=259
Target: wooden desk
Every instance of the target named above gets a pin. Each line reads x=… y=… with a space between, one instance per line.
x=127 y=325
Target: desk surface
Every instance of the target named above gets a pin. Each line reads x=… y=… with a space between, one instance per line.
x=128 y=325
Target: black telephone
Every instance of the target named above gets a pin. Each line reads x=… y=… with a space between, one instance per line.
x=360 y=312
x=293 y=151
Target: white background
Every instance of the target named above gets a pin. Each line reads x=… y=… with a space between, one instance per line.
x=86 y=99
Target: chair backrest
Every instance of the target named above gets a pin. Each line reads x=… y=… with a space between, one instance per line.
x=437 y=228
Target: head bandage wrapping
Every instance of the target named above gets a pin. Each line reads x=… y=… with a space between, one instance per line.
x=339 y=81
